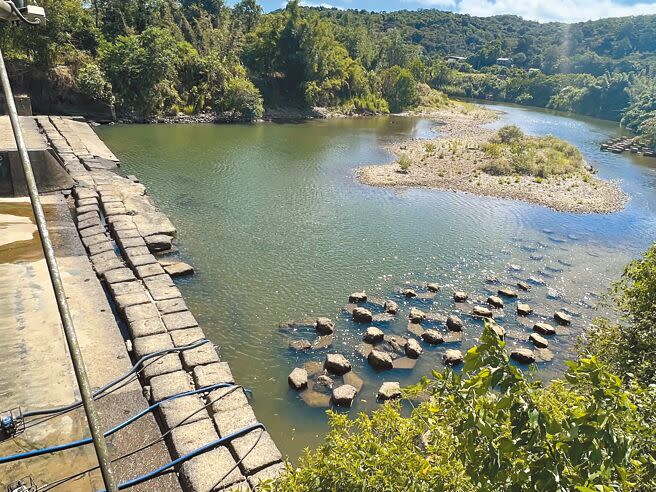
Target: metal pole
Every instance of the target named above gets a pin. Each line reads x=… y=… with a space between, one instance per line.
x=99 y=442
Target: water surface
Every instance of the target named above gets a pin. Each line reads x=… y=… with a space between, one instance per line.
x=278 y=229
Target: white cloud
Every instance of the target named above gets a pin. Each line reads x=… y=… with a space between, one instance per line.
x=545 y=11
x=305 y=3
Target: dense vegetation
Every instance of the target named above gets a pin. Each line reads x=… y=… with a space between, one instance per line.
x=154 y=57
x=513 y=153
x=494 y=428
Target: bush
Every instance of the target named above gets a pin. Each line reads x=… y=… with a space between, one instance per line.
x=492 y=428
x=404 y=163
x=509 y=134
x=92 y=83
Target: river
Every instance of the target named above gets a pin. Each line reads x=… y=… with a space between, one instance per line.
x=278 y=229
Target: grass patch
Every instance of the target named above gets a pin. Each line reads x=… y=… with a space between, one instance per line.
x=404 y=163
x=510 y=152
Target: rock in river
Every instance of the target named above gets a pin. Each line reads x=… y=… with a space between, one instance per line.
x=409 y=293
x=373 y=335
x=362 y=315
x=344 y=395
x=505 y=291
x=460 y=296
x=391 y=307
x=452 y=357
x=544 y=328
x=538 y=340
x=324 y=326
x=416 y=315
x=336 y=364
x=413 y=349
x=433 y=287
x=299 y=345
x=357 y=297
x=177 y=268
x=524 y=309
x=562 y=318
x=495 y=301
x=380 y=360
x=298 y=378
x=453 y=323
x=482 y=311
x=523 y=286
x=433 y=337
x=499 y=330
x=389 y=390
x=523 y=356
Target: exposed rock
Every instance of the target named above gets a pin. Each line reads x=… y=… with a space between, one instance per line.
x=433 y=287
x=409 y=293
x=298 y=378
x=344 y=395
x=562 y=318
x=524 y=309
x=299 y=345
x=460 y=296
x=495 y=301
x=324 y=326
x=382 y=317
x=158 y=242
x=433 y=337
x=553 y=293
x=505 y=291
x=394 y=343
x=380 y=360
x=362 y=315
x=523 y=356
x=336 y=364
x=325 y=381
x=315 y=399
x=177 y=268
x=482 y=311
x=538 y=340
x=322 y=342
x=405 y=363
x=416 y=315
x=453 y=323
x=391 y=307
x=452 y=357
x=491 y=279
x=413 y=349
x=537 y=280
x=544 y=328
x=499 y=330
x=524 y=286
x=358 y=297
x=373 y=335
x=389 y=390
x=514 y=268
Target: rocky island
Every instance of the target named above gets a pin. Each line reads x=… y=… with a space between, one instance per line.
x=505 y=163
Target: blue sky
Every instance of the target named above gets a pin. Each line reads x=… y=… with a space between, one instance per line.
x=540 y=10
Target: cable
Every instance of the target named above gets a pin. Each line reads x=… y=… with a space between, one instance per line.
x=19 y=14
x=81 y=442
x=61 y=481
x=240 y=460
x=188 y=456
x=72 y=406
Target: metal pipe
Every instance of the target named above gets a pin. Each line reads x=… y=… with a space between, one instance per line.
x=99 y=442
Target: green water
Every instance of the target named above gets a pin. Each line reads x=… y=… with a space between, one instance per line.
x=278 y=229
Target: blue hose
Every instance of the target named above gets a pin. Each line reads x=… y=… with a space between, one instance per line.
x=88 y=440
x=188 y=456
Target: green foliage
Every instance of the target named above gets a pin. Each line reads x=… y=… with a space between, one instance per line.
x=510 y=152
x=492 y=428
x=629 y=347
x=404 y=163
x=92 y=83
x=399 y=88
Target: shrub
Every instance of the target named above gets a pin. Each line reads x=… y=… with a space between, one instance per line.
x=92 y=83
x=509 y=134
x=404 y=163
x=491 y=428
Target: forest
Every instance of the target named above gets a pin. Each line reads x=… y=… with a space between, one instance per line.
x=167 y=57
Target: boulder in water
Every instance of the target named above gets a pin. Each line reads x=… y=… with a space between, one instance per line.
x=495 y=301
x=482 y=311
x=562 y=318
x=380 y=360
x=344 y=395
x=453 y=323
x=336 y=364
x=452 y=357
x=505 y=291
x=298 y=378
x=391 y=307
x=538 y=340
x=544 y=329
x=362 y=315
x=433 y=287
x=389 y=390
x=357 y=297
x=460 y=296
x=409 y=293
x=412 y=348
x=416 y=315
x=373 y=335
x=324 y=326
x=433 y=337
x=524 y=309
x=523 y=356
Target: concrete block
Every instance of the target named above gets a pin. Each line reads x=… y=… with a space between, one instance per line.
x=178 y=321
x=160 y=281
x=92 y=231
x=205 y=354
x=263 y=455
x=126 y=300
x=139 y=260
x=183 y=410
x=87 y=208
x=81 y=193
x=204 y=471
x=153 y=343
x=87 y=215
x=166 y=385
x=218 y=372
x=85 y=224
x=131 y=242
x=141 y=311
x=86 y=201
x=106 y=245
x=171 y=305
x=163 y=293
x=128 y=232
x=133 y=287
x=158 y=242
x=108 y=265
x=233 y=420
x=119 y=275
x=114 y=209
x=145 y=327
x=269 y=473
x=99 y=258
x=187 y=336
x=189 y=437
x=139 y=250
x=227 y=399
x=161 y=365
x=122 y=224
x=91 y=240
x=145 y=271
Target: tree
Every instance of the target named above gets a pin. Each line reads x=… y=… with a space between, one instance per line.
x=399 y=88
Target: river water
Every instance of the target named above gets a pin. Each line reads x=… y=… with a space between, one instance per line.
x=278 y=229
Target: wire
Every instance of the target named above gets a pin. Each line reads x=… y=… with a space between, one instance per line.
x=81 y=442
x=19 y=14
x=61 y=481
x=72 y=406
x=239 y=461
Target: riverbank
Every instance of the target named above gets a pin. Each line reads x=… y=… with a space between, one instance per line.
x=455 y=160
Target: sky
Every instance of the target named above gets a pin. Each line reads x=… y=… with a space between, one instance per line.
x=539 y=10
